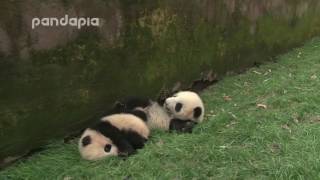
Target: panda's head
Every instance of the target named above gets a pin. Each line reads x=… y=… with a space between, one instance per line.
x=95 y=146
x=185 y=105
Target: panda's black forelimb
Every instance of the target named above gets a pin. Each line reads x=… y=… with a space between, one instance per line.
x=181 y=126
x=125 y=148
x=136 y=140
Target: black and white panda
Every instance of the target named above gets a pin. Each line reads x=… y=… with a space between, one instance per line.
x=179 y=112
x=115 y=135
x=185 y=105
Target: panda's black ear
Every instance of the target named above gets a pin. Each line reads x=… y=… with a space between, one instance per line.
x=197 y=112
x=86 y=141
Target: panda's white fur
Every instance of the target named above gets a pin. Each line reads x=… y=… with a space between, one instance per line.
x=189 y=100
x=93 y=148
x=158 y=117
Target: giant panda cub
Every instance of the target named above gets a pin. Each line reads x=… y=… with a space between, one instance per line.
x=179 y=112
x=115 y=135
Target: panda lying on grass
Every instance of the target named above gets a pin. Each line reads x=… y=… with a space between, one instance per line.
x=179 y=112
x=114 y=135
x=127 y=127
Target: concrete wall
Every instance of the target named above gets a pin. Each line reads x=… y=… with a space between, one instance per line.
x=53 y=79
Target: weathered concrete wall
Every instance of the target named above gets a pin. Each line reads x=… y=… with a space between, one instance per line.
x=54 y=79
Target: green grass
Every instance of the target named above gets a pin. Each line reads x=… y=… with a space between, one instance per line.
x=238 y=139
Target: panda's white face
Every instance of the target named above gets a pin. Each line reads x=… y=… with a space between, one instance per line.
x=95 y=146
x=185 y=105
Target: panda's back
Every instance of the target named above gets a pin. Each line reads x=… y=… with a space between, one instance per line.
x=128 y=122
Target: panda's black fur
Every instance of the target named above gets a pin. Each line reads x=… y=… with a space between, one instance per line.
x=127 y=140
x=115 y=134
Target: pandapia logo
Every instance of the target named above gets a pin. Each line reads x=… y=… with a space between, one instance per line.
x=65 y=21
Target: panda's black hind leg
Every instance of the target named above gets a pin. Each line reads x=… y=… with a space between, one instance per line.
x=141 y=114
x=131 y=103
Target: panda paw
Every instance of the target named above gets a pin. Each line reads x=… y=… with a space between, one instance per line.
x=188 y=127
x=183 y=126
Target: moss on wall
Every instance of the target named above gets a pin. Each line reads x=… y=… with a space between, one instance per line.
x=54 y=80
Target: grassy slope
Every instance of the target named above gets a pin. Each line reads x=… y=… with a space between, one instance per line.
x=237 y=140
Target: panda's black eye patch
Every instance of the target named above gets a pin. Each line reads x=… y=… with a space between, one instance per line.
x=107 y=148
x=86 y=140
x=178 y=107
x=197 y=112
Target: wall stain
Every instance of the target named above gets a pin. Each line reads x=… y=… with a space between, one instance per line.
x=54 y=81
